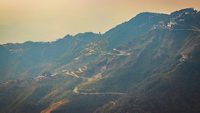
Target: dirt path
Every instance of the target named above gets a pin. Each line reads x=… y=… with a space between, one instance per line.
x=78 y=89
x=54 y=106
x=102 y=93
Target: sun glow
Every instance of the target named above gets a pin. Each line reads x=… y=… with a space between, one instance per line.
x=46 y=20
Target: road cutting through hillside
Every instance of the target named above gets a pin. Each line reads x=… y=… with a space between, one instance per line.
x=193 y=28
x=78 y=90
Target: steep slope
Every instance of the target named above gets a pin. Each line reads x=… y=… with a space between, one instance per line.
x=33 y=58
x=133 y=29
x=170 y=71
x=173 y=91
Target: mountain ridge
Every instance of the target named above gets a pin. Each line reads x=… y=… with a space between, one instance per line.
x=132 y=19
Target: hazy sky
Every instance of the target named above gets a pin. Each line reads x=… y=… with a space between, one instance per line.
x=47 y=20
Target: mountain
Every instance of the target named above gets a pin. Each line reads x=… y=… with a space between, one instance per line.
x=149 y=64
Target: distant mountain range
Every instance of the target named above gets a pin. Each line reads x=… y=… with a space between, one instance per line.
x=149 y=64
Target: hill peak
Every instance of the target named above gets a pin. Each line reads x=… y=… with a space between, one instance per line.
x=185 y=11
